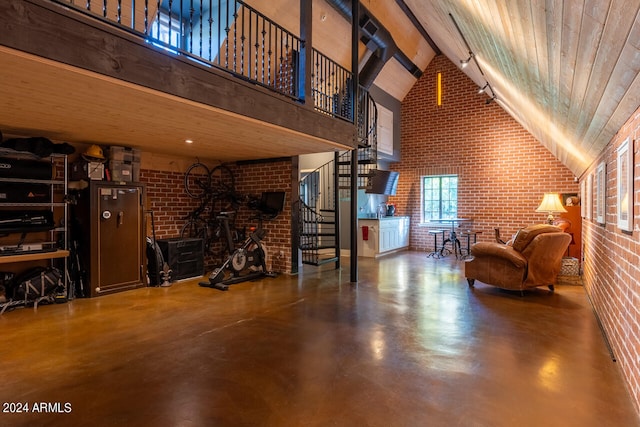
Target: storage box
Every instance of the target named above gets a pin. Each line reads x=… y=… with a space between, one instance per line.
x=124 y=154
x=87 y=170
x=25 y=168
x=570 y=267
x=17 y=192
x=121 y=171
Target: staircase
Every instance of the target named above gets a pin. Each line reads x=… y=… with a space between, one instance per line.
x=321 y=190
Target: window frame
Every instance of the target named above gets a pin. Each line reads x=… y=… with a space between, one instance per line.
x=423 y=182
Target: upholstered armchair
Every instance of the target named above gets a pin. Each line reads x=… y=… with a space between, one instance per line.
x=532 y=259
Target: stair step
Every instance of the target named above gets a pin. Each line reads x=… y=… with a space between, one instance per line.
x=328 y=210
x=360 y=175
x=320 y=262
x=319 y=222
x=319 y=235
x=360 y=162
x=316 y=247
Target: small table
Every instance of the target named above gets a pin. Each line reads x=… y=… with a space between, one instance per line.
x=453 y=238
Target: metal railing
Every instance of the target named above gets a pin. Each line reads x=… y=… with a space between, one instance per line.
x=319 y=217
x=232 y=36
x=332 y=87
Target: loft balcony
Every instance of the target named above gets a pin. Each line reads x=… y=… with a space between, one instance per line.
x=150 y=73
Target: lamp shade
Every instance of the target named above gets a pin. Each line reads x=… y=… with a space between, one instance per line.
x=551 y=204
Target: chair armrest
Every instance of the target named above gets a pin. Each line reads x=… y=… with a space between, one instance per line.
x=493 y=249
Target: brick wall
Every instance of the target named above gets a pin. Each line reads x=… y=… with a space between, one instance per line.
x=171 y=204
x=611 y=259
x=503 y=170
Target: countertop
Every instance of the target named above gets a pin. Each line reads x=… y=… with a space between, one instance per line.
x=373 y=218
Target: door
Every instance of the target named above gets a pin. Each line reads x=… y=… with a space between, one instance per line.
x=119 y=237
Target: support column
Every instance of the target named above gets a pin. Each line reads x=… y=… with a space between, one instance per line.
x=295 y=213
x=355 y=35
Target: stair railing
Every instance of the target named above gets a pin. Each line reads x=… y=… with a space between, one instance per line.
x=231 y=36
x=320 y=189
x=319 y=231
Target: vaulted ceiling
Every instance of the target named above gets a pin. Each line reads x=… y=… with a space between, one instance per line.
x=566 y=70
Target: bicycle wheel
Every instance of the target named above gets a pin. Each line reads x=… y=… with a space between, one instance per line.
x=196 y=228
x=222 y=181
x=197 y=180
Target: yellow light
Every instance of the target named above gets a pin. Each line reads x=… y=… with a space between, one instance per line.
x=551 y=204
x=439 y=89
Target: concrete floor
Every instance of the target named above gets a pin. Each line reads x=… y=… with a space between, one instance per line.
x=410 y=345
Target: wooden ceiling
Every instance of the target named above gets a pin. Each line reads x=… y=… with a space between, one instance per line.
x=47 y=98
x=567 y=70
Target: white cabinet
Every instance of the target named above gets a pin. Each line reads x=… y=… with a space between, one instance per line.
x=380 y=236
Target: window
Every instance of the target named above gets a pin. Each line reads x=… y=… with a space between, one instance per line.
x=439 y=197
x=168 y=29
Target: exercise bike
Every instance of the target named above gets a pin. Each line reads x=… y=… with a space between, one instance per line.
x=245 y=263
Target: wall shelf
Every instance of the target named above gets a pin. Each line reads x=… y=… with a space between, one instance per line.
x=34 y=256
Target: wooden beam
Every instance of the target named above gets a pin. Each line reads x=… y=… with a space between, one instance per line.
x=50 y=31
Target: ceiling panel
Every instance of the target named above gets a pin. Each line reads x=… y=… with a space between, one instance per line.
x=62 y=106
x=566 y=70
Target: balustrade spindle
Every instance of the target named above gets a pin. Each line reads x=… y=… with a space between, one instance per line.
x=133 y=14
x=211 y=33
x=242 y=39
x=262 y=52
x=269 y=53
x=227 y=29
x=220 y=35
x=170 y=21
x=253 y=29
x=191 y=10
x=201 y=35
x=146 y=16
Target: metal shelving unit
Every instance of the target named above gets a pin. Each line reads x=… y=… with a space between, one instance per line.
x=57 y=200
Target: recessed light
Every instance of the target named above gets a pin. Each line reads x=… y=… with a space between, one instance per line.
x=189 y=141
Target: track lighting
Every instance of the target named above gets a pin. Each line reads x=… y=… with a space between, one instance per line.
x=465 y=62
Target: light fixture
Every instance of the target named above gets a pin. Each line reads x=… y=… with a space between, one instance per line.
x=439 y=89
x=465 y=62
x=483 y=88
x=188 y=141
x=551 y=204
